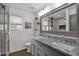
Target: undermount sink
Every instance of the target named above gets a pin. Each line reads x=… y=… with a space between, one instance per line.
x=63 y=46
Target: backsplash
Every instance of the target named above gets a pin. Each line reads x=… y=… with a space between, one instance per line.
x=73 y=41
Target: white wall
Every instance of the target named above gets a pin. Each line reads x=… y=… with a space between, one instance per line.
x=18 y=38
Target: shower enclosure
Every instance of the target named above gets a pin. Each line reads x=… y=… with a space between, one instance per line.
x=4 y=30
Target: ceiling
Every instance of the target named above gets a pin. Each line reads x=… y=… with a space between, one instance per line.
x=32 y=7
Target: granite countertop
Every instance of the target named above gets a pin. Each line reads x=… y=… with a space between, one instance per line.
x=48 y=42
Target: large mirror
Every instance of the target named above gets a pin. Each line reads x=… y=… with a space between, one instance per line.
x=64 y=20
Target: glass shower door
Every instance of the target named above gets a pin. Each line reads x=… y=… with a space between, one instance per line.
x=4 y=30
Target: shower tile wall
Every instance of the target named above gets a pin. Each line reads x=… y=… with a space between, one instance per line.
x=36 y=27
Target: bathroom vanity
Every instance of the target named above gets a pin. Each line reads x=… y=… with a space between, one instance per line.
x=53 y=45
x=59 y=32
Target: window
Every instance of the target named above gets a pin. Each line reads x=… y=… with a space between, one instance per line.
x=15 y=23
x=2 y=22
x=1 y=27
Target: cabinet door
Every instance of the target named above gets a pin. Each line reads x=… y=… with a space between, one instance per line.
x=34 y=48
x=41 y=49
x=48 y=51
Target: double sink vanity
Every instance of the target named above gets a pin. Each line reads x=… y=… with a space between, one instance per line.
x=56 y=44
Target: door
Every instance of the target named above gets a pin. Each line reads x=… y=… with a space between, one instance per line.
x=4 y=30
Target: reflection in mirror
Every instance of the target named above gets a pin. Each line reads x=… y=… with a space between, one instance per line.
x=63 y=20
x=72 y=20
x=59 y=20
x=73 y=23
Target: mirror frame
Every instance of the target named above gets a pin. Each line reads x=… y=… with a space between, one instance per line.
x=71 y=33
